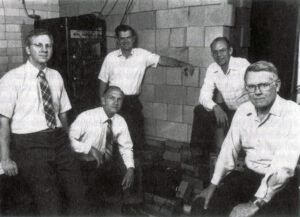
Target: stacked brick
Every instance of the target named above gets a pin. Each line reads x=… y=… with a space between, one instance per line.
x=14 y=25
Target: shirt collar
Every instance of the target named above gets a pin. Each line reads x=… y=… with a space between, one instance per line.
x=276 y=108
x=34 y=70
x=119 y=53
x=104 y=116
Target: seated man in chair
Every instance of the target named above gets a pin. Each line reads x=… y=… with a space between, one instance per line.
x=267 y=129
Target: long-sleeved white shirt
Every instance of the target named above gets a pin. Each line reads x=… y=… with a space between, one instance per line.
x=230 y=84
x=272 y=145
x=89 y=130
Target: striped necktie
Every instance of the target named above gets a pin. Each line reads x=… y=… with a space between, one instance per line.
x=109 y=140
x=47 y=100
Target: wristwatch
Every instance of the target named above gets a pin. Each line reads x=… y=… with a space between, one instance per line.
x=258 y=202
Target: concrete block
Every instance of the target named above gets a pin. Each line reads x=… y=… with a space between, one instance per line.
x=175 y=113
x=189 y=129
x=160 y=4
x=174 y=146
x=16 y=59
x=192 y=96
x=146 y=5
x=175 y=3
x=220 y=15
x=192 y=2
x=170 y=94
x=111 y=42
x=113 y=21
x=13 y=28
x=3 y=60
x=53 y=14
x=177 y=53
x=188 y=114
x=66 y=10
x=213 y=32
x=12 y=12
x=243 y=3
x=2 y=12
x=177 y=37
x=243 y=16
x=14 y=20
x=172 y=18
x=192 y=80
x=146 y=39
x=3 y=51
x=148 y=75
x=147 y=109
x=197 y=16
x=159 y=75
x=162 y=38
x=13 y=65
x=13 y=36
x=14 y=51
x=174 y=75
x=147 y=93
x=12 y=3
x=245 y=37
x=142 y=20
x=202 y=76
x=160 y=111
x=2 y=27
x=195 y=36
x=14 y=43
x=2 y=36
x=200 y=56
x=3 y=44
x=172 y=130
x=2 y=20
x=150 y=127
x=156 y=142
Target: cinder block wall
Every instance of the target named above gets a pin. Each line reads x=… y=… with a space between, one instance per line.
x=182 y=29
x=14 y=24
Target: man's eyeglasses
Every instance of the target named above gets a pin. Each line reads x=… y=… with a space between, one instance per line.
x=40 y=46
x=221 y=52
x=261 y=86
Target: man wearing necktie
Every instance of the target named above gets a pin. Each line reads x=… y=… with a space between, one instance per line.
x=102 y=141
x=33 y=130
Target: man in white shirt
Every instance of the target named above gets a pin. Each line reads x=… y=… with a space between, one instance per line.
x=33 y=125
x=267 y=129
x=125 y=68
x=89 y=138
x=226 y=75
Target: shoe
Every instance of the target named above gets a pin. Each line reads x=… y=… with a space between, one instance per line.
x=133 y=210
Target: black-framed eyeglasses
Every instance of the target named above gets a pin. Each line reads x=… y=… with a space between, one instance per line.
x=261 y=86
x=40 y=46
x=221 y=52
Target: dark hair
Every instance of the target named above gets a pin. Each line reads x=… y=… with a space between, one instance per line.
x=220 y=39
x=112 y=88
x=124 y=28
x=262 y=66
x=35 y=33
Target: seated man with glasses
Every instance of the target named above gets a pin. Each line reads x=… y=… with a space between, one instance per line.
x=267 y=129
x=226 y=75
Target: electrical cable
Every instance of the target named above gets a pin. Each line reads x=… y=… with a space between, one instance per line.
x=105 y=3
x=32 y=16
x=128 y=6
x=111 y=9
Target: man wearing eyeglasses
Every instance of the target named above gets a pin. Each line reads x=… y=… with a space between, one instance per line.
x=33 y=130
x=226 y=75
x=267 y=129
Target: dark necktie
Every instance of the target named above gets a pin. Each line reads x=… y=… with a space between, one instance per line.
x=109 y=140
x=47 y=101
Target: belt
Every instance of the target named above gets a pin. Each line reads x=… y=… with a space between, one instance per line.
x=49 y=130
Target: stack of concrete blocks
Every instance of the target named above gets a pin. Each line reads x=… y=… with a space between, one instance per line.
x=182 y=29
x=14 y=25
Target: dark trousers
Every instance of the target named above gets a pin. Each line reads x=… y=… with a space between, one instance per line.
x=203 y=130
x=106 y=180
x=2 y=181
x=131 y=111
x=240 y=187
x=45 y=161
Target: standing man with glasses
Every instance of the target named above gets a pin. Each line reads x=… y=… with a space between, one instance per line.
x=226 y=75
x=267 y=129
x=125 y=68
x=33 y=130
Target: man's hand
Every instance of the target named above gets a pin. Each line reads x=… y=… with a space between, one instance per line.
x=221 y=116
x=10 y=167
x=244 y=210
x=187 y=69
x=99 y=157
x=207 y=194
x=128 y=178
